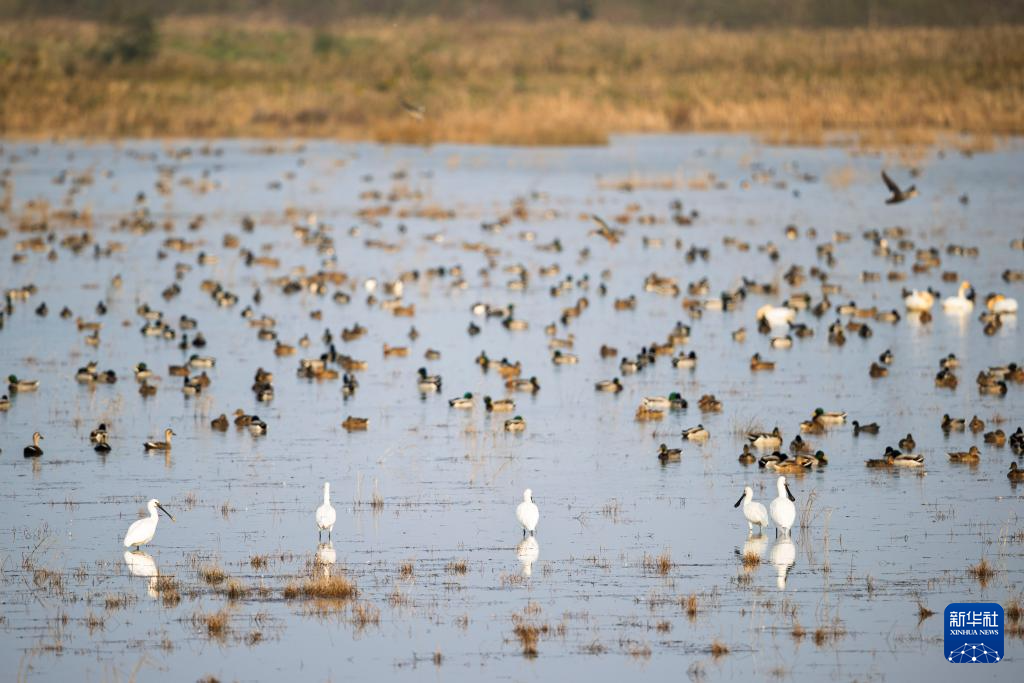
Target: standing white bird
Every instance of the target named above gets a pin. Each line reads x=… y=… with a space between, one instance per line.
x=754 y=512
x=142 y=531
x=325 y=514
x=782 y=509
x=527 y=513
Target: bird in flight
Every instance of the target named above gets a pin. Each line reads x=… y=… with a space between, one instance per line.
x=898 y=195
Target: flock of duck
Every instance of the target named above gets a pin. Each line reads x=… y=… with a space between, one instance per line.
x=783 y=325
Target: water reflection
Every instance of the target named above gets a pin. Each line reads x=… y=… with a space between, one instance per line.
x=326 y=557
x=142 y=564
x=528 y=550
x=783 y=556
x=755 y=543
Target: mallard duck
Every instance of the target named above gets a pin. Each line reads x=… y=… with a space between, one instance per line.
x=870 y=428
x=628 y=367
x=432 y=354
x=950 y=424
x=101 y=444
x=5 y=403
x=220 y=423
x=177 y=371
x=772 y=439
x=798 y=445
x=356 y=424
x=559 y=358
x=506 y=369
x=774 y=457
x=666 y=454
x=698 y=433
x=647 y=415
x=190 y=387
x=949 y=362
x=257 y=427
x=747 y=457
x=660 y=402
x=515 y=424
x=782 y=342
x=99 y=433
x=15 y=384
x=164 y=445
x=812 y=426
x=962 y=303
x=609 y=385
x=427 y=383
x=87 y=374
x=899 y=459
x=998 y=388
x=502 y=405
x=877 y=371
x=34 y=451
x=609 y=351
x=996 y=438
x=1017 y=441
x=787 y=466
x=709 y=404
x=685 y=361
x=146 y=389
x=197 y=362
x=907 y=443
x=463 y=402
x=758 y=364
x=528 y=385
x=970 y=455
x=142 y=371
x=829 y=417
x=811 y=459
x=1015 y=473
x=739 y=335
x=976 y=424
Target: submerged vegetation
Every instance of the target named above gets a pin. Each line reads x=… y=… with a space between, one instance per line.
x=559 y=82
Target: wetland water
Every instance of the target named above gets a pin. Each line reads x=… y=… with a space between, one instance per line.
x=446 y=481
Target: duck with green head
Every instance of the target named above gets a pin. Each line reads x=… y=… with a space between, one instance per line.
x=463 y=402
x=15 y=384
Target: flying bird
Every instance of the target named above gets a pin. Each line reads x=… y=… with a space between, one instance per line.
x=898 y=195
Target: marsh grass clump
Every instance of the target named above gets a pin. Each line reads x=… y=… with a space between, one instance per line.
x=212 y=574
x=406 y=570
x=829 y=633
x=529 y=636
x=798 y=631
x=662 y=564
x=216 y=624
x=167 y=588
x=1013 y=610
x=751 y=560
x=459 y=567
x=115 y=601
x=663 y=626
x=983 y=571
x=325 y=588
x=718 y=648
x=691 y=605
x=365 y=614
x=235 y=589
x=922 y=611
x=259 y=562
x=438 y=658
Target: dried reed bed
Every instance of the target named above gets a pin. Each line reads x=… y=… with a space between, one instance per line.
x=551 y=83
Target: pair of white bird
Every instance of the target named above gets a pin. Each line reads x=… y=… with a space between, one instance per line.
x=782 y=509
x=526 y=512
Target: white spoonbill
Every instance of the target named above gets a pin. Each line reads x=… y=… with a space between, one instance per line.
x=325 y=514
x=142 y=531
x=782 y=509
x=527 y=513
x=753 y=511
x=963 y=302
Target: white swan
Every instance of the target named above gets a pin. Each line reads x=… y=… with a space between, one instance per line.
x=325 y=514
x=782 y=509
x=961 y=303
x=776 y=316
x=918 y=301
x=527 y=513
x=754 y=512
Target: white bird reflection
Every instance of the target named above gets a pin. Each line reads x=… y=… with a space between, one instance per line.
x=142 y=564
x=755 y=544
x=326 y=557
x=528 y=550
x=783 y=556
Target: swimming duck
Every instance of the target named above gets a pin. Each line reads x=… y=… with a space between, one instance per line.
x=698 y=433
x=629 y=367
x=502 y=405
x=994 y=388
x=685 y=361
x=907 y=443
x=15 y=384
x=774 y=457
x=949 y=362
x=87 y=374
x=463 y=402
x=5 y=403
x=559 y=358
x=970 y=455
x=798 y=445
x=996 y=438
x=1017 y=441
x=918 y=301
x=197 y=362
x=757 y=364
x=899 y=459
x=739 y=335
x=829 y=417
x=782 y=342
x=647 y=414
x=877 y=371
x=747 y=457
x=661 y=402
x=432 y=354
x=34 y=451
x=609 y=385
x=608 y=351
x=1015 y=473
x=812 y=426
x=142 y=371
x=528 y=385
x=99 y=433
x=666 y=454
x=164 y=445
x=257 y=427
x=870 y=428
x=950 y=424
x=356 y=424
x=976 y=424
x=963 y=302
x=220 y=423
x=507 y=369
x=178 y=371
x=709 y=404
x=427 y=383
x=946 y=379
x=101 y=444
x=515 y=424
x=772 y=439
x=146 y=389
x=811 y=459
x=787 y=466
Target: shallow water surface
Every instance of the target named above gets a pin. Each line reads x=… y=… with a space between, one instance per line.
x=434 y=488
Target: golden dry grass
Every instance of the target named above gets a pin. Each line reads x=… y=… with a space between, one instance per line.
x=513 y=82
x=983 y=571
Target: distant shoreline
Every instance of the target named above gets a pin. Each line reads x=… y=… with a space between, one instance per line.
x=508 y=83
